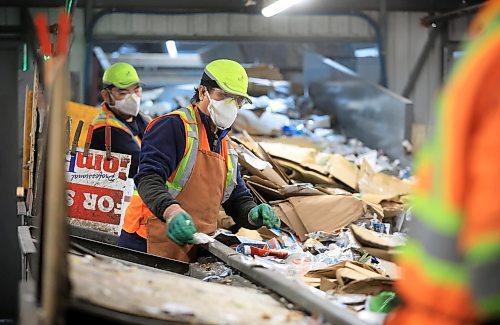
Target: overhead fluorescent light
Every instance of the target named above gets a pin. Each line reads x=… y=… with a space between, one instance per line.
x=278 y=6
x=370 y=52
x=171 y=49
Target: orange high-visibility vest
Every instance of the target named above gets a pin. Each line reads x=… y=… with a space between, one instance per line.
x=106 y=118
x=137 y=212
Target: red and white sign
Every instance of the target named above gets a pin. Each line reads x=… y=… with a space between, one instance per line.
x=95 y=186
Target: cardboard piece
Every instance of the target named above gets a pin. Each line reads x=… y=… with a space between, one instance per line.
x=361 y=269
x=391 y=269
x=343 y=170
x=258 y=167
x=256 y=194
x=252 y=234
x=263 y=154
x=352 y=277
x=304 y=161
x=224 y=221
x=304 y=174
x=374 y=239
x=328 y=284
x=312 y=282
x=292 y=219
x=231 y=239
x=327 y=212
x=369 y=286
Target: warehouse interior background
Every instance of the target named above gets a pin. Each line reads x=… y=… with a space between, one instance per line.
x=407 y=47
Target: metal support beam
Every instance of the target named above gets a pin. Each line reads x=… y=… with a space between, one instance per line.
x=433 y=19
x=295 y=291
x=382 y=24
x=422 y=58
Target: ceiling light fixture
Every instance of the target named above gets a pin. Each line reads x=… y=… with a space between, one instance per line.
x=171 y=49
x=278 y=6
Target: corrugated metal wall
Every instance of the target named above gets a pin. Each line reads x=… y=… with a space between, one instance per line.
x=238 y=25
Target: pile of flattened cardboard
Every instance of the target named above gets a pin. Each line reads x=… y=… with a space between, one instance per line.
x=312 y=191
x=352 y=277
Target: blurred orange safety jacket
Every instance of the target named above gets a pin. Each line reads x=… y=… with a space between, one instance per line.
x=451 y=263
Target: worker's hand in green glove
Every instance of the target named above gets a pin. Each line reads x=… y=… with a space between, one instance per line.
x=264 y=215
x=180 y=225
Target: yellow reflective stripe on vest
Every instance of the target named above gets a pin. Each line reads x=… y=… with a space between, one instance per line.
x=103 y=118
x=186 y=165
x=232 y=171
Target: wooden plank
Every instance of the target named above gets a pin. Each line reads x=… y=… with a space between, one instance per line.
x=28 y=120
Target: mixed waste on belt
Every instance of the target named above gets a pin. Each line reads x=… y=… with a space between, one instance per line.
x=343 y=206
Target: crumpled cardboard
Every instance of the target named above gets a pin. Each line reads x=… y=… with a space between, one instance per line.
x=352 y=277
x=369 y=286
x=272 y=192
x=306 y=174
x=289 y=216
x=391 y=206
x=314 y=166
x=351 y=270
x=257 y=166
x=343 y=170
x=374 y=239
x=247 y=141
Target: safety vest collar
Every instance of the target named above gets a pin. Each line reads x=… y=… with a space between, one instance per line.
x=196 y=138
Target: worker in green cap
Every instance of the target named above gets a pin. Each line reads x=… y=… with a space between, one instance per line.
x=122 y=93
x=188 y=167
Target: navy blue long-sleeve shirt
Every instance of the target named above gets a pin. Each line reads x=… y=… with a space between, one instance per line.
x=162 y=150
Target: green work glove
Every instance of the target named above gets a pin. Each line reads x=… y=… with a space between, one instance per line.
x=180 y=225
x=264 y=215
x=384 y=302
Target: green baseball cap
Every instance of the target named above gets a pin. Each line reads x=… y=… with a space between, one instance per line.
x=121 y=75
x=230 y=76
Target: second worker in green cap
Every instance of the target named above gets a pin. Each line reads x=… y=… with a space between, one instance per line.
x=188 y=168
x=122 y=93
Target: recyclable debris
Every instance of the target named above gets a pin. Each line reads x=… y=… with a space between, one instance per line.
x=252 y=250
x=343 y=206
x=201 y=238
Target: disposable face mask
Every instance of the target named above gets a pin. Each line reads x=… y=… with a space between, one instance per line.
x=223 y=112
x=129 y=105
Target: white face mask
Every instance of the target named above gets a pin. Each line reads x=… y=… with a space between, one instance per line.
x=223 y=112
x=129 y=105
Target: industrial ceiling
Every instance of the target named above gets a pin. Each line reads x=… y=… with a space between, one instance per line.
x=254 y=6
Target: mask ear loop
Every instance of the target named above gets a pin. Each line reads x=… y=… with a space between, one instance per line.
x=111 y=97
